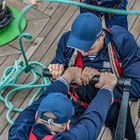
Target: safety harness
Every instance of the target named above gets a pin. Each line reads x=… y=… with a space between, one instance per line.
x=33 y=137
x=77 y=61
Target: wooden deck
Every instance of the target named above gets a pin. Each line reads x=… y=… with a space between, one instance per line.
x=47 y=23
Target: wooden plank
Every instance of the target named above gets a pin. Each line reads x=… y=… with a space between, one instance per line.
x=8 y=50
x=32 y=14
x=34 y=27
x=134 y=113
x=43 y=6
x=54 y=33
x=132 y=18
x=138 y=41
x=2 y=59
x=101 y=133
x=106 y=135
x=130 y=4
x=136 y=28
x=51 y=8
x=10 y=60
x=53 y=21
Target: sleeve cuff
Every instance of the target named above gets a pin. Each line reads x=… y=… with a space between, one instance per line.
x=111 y=91
x=63 y=81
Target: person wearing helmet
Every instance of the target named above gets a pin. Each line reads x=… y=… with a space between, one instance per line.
x=110 y=19
x=54 y=110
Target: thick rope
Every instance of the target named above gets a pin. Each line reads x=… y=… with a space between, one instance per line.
x=97 y=8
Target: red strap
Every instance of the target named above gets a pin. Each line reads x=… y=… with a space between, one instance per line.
x=78 y=61
x=33 y=137
x=48 y=137
x=117 y=63
x=75 y=98
x=108 y=30
x=116 y=100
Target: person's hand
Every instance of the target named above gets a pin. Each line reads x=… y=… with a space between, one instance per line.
x=73 y=75
x=56 y=70
x=87 y=74
x=107 y=80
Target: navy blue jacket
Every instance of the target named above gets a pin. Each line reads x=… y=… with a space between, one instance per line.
x=127 y=50
x=89 y=124
x=110 y=19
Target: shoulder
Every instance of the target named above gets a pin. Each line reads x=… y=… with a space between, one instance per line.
x=66 y=35
x=120 y=35
x=123 y=40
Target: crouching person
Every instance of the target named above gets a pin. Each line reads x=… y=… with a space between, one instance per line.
x=48 y=117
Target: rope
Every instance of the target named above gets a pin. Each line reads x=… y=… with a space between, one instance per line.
x=97 y=8
x=12 y=74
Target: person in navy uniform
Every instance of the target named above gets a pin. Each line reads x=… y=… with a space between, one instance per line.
x=110 y=19
x=90 y=41
x=94 y=44
x=54 y=110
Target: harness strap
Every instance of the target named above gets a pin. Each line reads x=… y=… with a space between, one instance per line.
x=33 y=137
x=78 y=61
x=75 y=98
x=115 y=64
